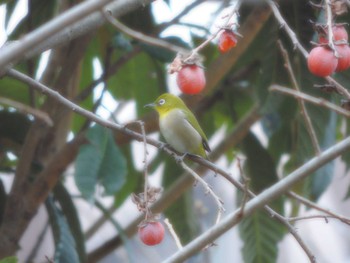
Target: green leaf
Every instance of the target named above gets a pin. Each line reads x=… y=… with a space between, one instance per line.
x=259 y=231
x=70 y=212
x=65 y=247
x=261 y=235
x=9 y=260
x=14 y=89
x=100 y=161
x=139 y=79
x=133 y=180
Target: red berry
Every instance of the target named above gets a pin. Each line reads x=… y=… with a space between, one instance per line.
x=227 y=41
x=191 y=79
x=322 y=62
x=151 y=233
x=339 y=33
x=344 y=57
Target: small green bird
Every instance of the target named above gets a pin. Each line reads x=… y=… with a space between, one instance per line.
x=179 y=126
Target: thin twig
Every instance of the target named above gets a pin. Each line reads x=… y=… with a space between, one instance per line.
x=286 y=27
x=173 y=233
x=306 y=97
x=140 y=36
x=325 y=217
x=16 y=50
x=145 y=168
x=176 y=19
x=246 y=181
x=341 y=90
x=27 y=110
x=313 y=205
x=304 y=112
x=295 y=234
x=330 y=27
x=196 y=50
x=207 y=188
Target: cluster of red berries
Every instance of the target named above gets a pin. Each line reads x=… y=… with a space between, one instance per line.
x=151 y=233
x=191 y=77
x=322 y=61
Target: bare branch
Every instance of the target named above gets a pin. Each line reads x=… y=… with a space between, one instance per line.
x=27 y=110
x=286 y=27
x=317 y=101
x=313 y=205
x=60 y=30
x=15 y=51
x=139 y=36
x=304 y=112
x=207 y=188
x=330 y=27
x=173 y=233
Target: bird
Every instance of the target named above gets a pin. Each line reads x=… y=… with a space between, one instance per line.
x=179 y=126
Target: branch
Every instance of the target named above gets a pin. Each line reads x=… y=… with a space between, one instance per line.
x=259 y=201
x=75 y=22
x=330 y=27
x=208 y=189
x=325 y=217
x=15 y=51
x=76 y=108
x=27 y=110
x=313 y=205
x=286 y=27
x=306 y=97
x=304 y=112
x=139 y=36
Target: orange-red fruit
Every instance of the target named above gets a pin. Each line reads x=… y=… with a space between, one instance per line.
x=339 y=33
x=322 y=62
x=191 y=79
x=344 y=57
x=151 y=233
x=227 y=41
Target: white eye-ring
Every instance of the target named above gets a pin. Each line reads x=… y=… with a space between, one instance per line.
x=161 y=101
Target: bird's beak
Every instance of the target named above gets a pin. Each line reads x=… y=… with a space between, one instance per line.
x=151 y=105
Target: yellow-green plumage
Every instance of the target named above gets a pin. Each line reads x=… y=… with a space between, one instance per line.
x=179 y=126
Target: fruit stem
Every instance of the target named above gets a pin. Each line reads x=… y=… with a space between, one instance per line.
x=330 y=28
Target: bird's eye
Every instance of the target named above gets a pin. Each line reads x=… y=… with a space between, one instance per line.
x=161 y=101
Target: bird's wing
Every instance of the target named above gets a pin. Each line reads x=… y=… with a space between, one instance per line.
x=189 y=116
